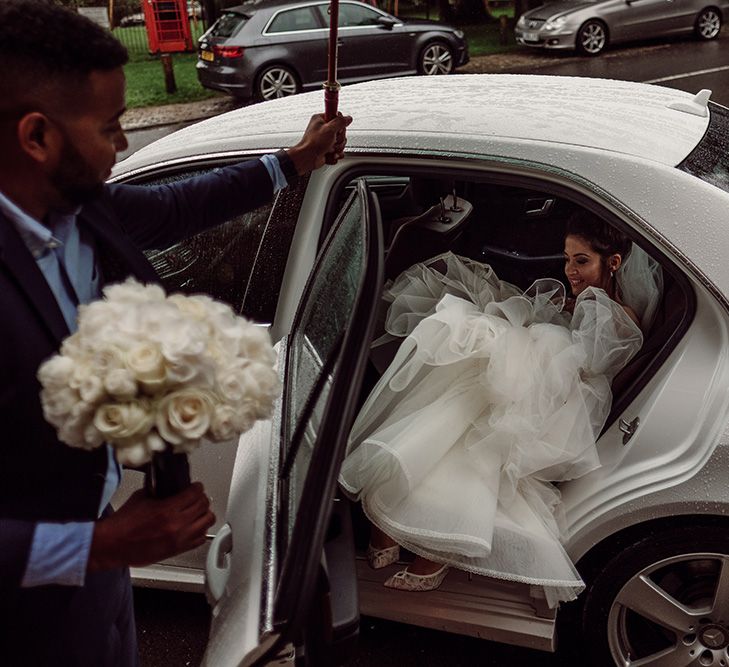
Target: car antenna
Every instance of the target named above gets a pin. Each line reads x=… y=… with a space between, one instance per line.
x=698 y=106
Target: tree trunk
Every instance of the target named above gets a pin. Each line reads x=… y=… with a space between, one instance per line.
x=471 y=11
x=445 y=11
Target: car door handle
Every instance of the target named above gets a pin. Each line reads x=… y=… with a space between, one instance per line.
x=340 y=42
x=217 y=565
x=539 y=207
x=628 y=428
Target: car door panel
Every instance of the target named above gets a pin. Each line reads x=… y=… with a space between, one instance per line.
x=277 y=555
x=641 y=19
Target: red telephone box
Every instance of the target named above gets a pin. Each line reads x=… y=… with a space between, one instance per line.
x=168 y=26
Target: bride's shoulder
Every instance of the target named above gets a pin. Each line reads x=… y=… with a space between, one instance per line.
x=630 y=313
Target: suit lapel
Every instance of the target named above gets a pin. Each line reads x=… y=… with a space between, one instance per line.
x=16 y=260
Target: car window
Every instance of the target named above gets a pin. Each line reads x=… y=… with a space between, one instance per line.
x=224 y=261
x=293 y=20
x=709 y=161
x=315 y=342
x=351 y=15
x=228 y=24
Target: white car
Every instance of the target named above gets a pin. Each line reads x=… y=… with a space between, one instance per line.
x=649 y=528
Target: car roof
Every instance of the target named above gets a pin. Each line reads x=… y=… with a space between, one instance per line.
x=461 y=113
x=251 y=6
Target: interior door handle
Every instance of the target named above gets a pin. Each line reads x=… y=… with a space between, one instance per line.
x=628 y=428
x=537 y=207
x=217 y=565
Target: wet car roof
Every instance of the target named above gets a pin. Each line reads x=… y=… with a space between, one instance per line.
x=461 y=113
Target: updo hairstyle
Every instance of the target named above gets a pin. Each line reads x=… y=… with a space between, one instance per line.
x=602 y=237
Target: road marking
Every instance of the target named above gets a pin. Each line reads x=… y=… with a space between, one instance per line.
x=688 y=75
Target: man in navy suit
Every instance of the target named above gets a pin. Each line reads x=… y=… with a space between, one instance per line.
x=65 y=596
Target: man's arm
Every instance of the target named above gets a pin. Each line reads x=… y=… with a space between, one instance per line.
x=159 y=216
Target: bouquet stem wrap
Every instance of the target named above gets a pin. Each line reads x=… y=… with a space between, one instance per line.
x=167 y=474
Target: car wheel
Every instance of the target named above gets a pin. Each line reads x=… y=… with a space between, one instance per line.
x=592 y=38
x=276 y=81
x=708 y=23
x=436 y=58
x=663 y=600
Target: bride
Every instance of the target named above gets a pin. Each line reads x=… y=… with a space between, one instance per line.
x=493 y=394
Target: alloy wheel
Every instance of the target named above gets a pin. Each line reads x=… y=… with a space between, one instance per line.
x=708 y=24
x=592 y=38
x=437 y=59
x=277 y=82
x=673 y=613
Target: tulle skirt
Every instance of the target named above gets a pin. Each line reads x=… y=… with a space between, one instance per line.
x=493 y=395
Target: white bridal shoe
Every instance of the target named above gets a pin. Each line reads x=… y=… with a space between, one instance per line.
x=379 y=558
x=407 y=581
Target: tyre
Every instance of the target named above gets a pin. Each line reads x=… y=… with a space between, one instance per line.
x=663 y=600
x=708 y=23
x=436 y=58
x=276 y=81
x=592 y=38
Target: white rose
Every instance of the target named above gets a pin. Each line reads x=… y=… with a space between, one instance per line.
x=224 y=424
x=235 y=384
x=75 y=427
x=81 y=372
x=184 y=415
x=133 y=453
x=91 y=389
x=146 y=363
x=120 y=383
x=56 y=372
x=123 y=421
x=184 y=341
x=71 y=347
x=106 y=359
x=182 y=372
x=132 y=292
x=58 y=404
x=189 y=305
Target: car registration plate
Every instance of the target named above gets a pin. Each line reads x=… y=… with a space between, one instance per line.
x=530 y=37
x=207 y=55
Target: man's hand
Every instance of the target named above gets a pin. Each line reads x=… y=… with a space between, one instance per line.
x=146 y=530
x=322 y=142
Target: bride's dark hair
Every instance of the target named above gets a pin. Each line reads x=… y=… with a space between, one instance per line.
x=602 y=237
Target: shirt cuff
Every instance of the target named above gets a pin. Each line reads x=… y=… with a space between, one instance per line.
x=59 y=554
x=273 y=167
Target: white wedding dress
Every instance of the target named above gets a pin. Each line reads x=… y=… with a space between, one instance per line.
x=493 y=394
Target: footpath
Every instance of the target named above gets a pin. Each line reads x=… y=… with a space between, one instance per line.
x=146 y=117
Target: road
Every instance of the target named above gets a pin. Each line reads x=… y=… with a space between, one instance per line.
x=173 y=626
x=684 y=64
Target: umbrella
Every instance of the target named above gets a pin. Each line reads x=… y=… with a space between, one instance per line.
x=331 y=86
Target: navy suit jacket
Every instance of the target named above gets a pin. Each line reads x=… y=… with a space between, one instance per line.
x=41 y=479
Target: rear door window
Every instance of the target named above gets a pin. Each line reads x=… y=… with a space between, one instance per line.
x=294 y=20
x=228 y=24
x=709 y=161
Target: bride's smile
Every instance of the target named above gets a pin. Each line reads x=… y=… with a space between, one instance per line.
x=583 y=266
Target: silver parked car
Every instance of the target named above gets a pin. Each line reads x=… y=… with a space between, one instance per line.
x=590 y=25
x=648 y=530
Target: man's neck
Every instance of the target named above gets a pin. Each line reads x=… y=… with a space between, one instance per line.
x=30 y=200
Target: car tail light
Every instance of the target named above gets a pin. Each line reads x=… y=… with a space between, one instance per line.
x=228 y=51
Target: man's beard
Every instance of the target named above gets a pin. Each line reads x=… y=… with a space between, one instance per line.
x=74 y=180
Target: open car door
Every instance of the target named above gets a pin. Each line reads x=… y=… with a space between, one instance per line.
x=281 y=573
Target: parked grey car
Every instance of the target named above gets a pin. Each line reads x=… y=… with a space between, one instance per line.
x=265 y=50
x=590 y=25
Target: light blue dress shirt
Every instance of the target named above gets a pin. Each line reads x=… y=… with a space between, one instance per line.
x=59 y=551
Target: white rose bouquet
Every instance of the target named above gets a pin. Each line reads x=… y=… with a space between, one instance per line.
x=150 y=373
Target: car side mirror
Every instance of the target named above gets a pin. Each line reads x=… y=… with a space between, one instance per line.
x=386 y=22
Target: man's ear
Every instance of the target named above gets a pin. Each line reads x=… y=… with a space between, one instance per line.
x=38 y=138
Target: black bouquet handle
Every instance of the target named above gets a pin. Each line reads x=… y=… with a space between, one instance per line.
x=167 y=474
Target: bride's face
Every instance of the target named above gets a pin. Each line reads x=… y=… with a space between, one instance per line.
x=583 y=266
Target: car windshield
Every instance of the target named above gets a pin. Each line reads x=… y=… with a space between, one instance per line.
x=709 y=161
x=227 y=24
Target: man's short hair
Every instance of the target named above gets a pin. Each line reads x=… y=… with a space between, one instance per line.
x=45 y=47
